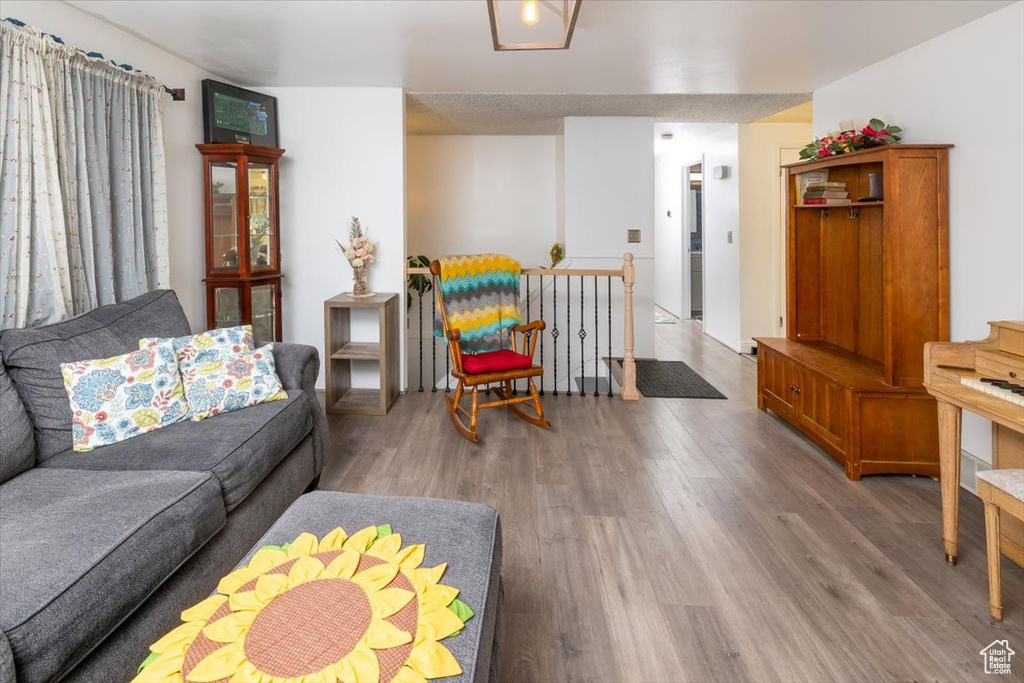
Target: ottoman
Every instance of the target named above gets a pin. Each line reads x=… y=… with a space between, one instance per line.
x=464 y=536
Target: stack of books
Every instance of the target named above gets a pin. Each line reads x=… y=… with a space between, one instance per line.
x=826 y=192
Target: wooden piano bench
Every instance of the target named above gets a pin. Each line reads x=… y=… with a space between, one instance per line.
x=1000 y=490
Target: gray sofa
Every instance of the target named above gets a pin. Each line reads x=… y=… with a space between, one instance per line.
x=100 y=551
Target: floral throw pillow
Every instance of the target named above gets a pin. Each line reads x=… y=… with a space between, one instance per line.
x=212 y=346
x=219 y=385
x=234 y=339
x=114 y=399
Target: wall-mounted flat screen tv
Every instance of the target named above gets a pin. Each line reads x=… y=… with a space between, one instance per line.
x=232 y=114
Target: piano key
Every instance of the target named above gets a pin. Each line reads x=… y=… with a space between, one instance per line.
x=994 y=387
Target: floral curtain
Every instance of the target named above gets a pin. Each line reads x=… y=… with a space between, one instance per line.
x=83 y=220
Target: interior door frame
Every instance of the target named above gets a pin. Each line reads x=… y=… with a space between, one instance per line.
x=780 y=216
x=685 y=256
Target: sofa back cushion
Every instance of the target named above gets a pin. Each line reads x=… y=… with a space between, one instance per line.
x=33 y=356
x=17 y=447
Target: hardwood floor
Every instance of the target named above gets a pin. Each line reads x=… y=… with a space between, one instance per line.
x=696 y=540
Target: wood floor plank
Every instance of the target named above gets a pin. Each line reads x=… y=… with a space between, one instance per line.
x=695 y=540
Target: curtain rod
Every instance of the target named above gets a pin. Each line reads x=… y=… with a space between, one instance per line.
x=177 y=94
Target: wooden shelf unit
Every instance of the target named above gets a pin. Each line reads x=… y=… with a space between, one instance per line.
x=867 y=286
x=341 y=351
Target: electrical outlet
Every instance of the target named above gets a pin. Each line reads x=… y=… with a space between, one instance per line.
x=728 y=236
x=633 y=236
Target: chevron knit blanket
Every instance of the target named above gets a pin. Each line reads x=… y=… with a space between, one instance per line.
x=481 y=297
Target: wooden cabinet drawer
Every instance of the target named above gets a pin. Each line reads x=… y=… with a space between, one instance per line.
x=777 y=381
x=824 y=408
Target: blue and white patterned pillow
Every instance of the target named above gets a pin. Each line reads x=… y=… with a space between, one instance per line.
x=221 y=384
x=234 y=339
x=113 y=399
x=212 y=346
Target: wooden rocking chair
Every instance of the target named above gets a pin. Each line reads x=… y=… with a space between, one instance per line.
x=480 y=370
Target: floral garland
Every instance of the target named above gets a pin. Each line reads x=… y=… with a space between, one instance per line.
x=876 y=134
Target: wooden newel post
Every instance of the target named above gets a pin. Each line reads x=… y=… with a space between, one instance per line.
x=629 y=392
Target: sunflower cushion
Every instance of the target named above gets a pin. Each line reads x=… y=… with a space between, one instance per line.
x=412 y=600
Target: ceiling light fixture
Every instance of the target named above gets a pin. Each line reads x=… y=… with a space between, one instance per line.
x=530 y=15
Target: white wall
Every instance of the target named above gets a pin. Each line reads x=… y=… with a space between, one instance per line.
x=345 y=157
x=760 y=223
x=477 y=194
x=722 y=259
x=609 y=188
x=183 y=128
x=670 y=247
x=965 y=87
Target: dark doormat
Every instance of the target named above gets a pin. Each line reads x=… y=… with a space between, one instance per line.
x=671 y=379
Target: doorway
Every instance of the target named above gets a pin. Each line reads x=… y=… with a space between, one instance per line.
x=693 y=236
x=786 y=155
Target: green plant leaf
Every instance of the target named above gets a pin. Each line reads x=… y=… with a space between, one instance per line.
x=877 y=124
x=461 y=609
x=383 y=530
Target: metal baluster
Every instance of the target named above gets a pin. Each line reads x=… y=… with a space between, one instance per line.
x=597 y=336
x=609 y=337
x=542 y=333
x=526 y=337
x=583 y=354
x=554 y=332
x=433 y=343
x=421 y=342
x=568 y=342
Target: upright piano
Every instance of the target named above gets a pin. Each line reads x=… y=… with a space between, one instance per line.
x=987 y=378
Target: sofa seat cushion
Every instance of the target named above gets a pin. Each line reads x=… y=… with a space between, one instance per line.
x=81 y=550
x=33 y=356
x=465 y=535
x=239 y=448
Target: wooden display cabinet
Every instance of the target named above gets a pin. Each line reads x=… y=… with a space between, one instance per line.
x=867 y=286
x=243 y=256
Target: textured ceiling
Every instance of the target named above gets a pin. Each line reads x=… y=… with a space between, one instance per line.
x=508 y=114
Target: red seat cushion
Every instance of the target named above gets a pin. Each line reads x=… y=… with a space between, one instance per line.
x=494 y=361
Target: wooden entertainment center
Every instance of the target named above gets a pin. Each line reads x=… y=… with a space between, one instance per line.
x=867 y=286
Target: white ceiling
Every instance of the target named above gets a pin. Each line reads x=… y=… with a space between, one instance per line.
x=619 y=47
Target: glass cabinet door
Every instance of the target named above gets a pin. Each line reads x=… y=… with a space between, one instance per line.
x=262 y=231
x=223 y=217
x=227 y=306
x=264 y=313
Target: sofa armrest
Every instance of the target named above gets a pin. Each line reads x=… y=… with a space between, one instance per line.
x=298 y=366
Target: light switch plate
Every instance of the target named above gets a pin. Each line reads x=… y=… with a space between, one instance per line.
x=633 y=236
